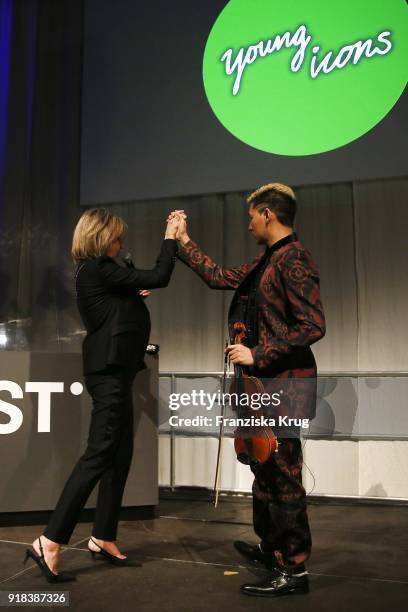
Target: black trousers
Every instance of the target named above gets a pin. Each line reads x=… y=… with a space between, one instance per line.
x=279 y=505
x=107 y=458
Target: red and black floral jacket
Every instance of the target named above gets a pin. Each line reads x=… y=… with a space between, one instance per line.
x=289 y=311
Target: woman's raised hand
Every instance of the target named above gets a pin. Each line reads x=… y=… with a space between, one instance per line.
x=181 y=217
x=172 y=227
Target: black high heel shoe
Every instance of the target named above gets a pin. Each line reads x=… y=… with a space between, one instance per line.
x=112 y=559
x=45 y=570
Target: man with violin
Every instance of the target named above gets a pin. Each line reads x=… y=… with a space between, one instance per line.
x=277 y=296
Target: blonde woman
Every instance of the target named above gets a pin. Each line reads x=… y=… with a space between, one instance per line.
x=117 y=321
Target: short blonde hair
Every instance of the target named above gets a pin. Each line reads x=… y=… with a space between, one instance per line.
x=272 y=187
x=95 y=231
x=279 y=198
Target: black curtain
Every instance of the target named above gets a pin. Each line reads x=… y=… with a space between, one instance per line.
x=40 y=172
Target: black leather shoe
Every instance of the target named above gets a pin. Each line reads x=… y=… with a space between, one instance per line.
x=279 y=583
x=255 y=554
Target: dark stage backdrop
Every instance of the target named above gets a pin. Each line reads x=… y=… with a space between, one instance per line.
x=356 y=230
x=39 y=168
x=148 y=130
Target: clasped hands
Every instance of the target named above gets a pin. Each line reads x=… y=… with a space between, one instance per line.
x=177 y=226
x=175 y=222
x=176 y=229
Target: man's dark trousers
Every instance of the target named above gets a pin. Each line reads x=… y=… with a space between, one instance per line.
x=279 y=505
x=107 y=458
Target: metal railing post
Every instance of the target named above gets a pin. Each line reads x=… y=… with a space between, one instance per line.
x=172 y=442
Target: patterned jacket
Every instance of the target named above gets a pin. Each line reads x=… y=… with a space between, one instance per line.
x=289 y=311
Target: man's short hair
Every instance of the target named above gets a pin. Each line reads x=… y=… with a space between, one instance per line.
x=279 y=198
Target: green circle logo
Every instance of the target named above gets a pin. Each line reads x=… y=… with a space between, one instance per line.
x=306 y=76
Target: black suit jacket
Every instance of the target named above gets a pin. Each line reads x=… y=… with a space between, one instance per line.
x=115 y=316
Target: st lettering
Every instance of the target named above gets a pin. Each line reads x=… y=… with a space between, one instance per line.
x=44 y=392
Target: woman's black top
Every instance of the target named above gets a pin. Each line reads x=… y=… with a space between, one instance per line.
x=115 y=316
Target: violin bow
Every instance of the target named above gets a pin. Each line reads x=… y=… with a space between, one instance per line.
x=220 y=435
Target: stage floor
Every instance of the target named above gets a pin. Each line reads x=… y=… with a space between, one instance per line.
x=359 y=562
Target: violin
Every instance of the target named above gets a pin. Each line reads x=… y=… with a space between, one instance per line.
x=254 y=444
